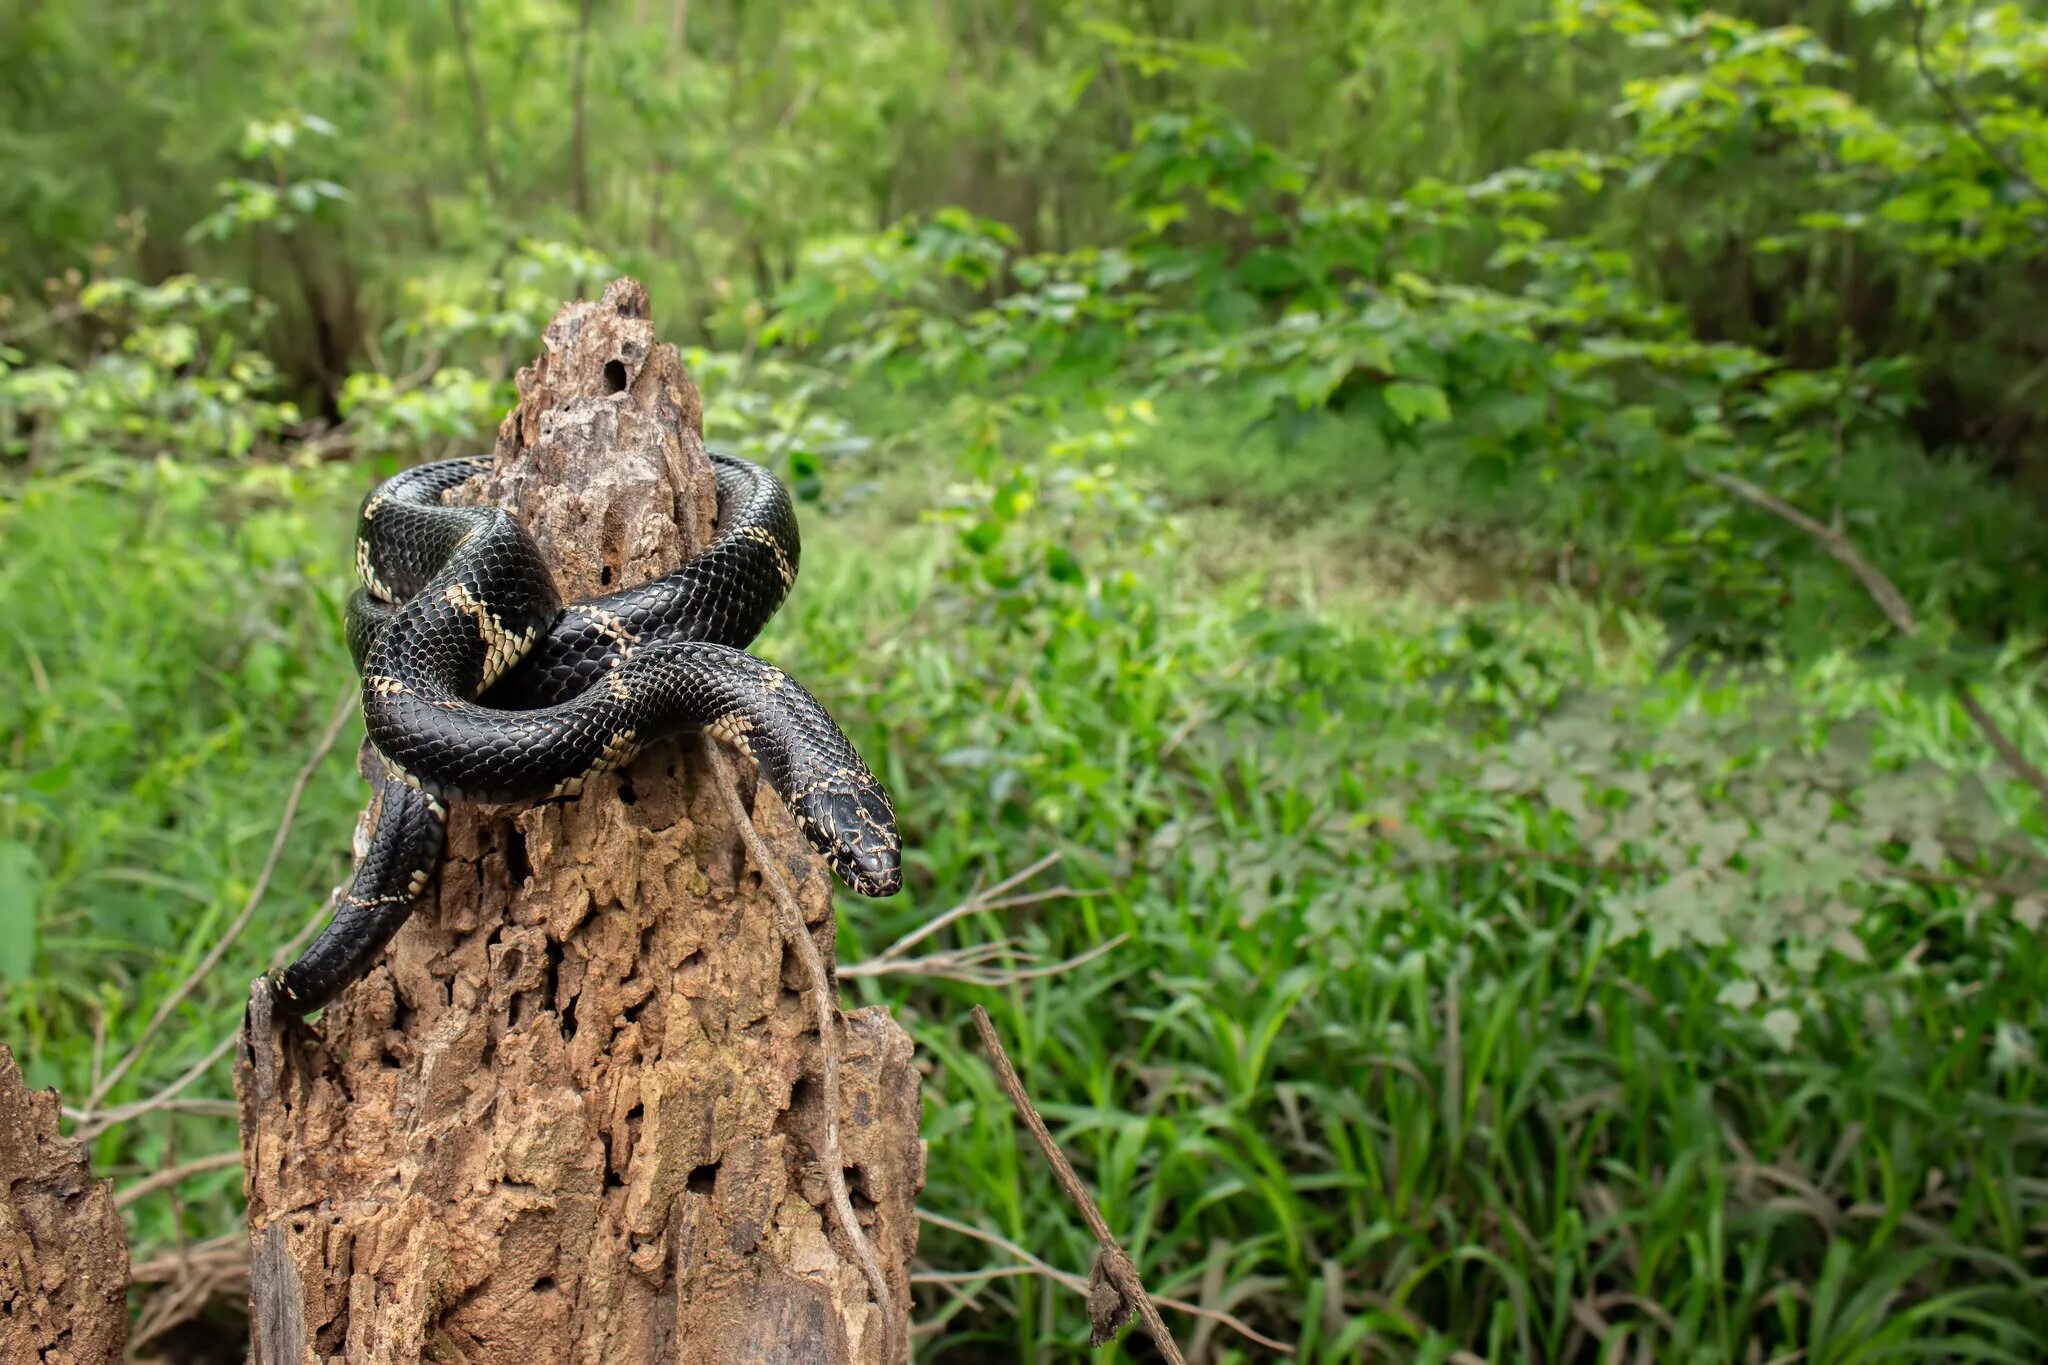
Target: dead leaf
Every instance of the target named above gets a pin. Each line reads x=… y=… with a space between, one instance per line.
x=1109 y=1308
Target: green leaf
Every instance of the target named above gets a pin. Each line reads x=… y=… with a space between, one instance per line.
x=1783 y=1027
x=1417 y=403
x=21 y=885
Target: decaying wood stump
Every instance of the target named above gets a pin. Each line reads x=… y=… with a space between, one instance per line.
x=63 y=1248
x=574 y=1113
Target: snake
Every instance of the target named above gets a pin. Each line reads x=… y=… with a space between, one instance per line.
x=480 y=684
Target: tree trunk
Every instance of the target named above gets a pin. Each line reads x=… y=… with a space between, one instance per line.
x=63 y=1248
x=574 y=1113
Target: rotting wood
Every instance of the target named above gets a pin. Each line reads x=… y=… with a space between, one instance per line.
x=63 y=1247
x=573 y=1113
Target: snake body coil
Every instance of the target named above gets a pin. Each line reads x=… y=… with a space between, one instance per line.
x=480 y=685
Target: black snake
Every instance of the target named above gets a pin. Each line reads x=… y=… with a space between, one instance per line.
x=480 y=685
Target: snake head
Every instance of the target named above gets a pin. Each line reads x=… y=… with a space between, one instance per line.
x=855 y=829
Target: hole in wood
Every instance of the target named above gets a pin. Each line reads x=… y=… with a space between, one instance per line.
x=704 y=1179
x=615 y=376
x=604 y=576
x=859 y=1198
x=551 y=976
x=516 y=861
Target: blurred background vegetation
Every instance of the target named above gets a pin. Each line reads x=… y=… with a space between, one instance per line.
x=1284 y=457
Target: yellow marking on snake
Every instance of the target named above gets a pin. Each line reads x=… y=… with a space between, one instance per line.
x=733 y=728
x=783 y=568
x=609 y=624
x=383 y=685
x=618 y=751
x=371 y=902
x=368 y=575
x=502 y=647
x=402 y=775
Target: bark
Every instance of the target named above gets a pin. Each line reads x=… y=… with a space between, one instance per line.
x=573 y=1114
x=63 y=1248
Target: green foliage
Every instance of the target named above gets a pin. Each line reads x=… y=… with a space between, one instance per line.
x=169 y=372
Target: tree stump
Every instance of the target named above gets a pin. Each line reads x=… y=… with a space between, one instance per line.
x=574 y=1114
x=63 y=1247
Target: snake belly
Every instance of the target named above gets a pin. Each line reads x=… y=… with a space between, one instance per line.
x=479 y=684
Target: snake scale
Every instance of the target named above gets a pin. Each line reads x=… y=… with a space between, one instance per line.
x=480 y=684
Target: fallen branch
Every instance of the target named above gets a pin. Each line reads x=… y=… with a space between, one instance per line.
x=799 y=941
x=1114 y=1289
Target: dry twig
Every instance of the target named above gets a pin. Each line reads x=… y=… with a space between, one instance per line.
x=1892 y=603
x=1027 y=1264
x=798 y=937
x=186 y=1281
x=971 y=964
x=1114 y=1289
x=164 y=1179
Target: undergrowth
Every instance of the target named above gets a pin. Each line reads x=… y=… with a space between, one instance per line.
x=1411 y=1043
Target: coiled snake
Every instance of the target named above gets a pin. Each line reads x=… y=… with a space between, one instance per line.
x=480 y=685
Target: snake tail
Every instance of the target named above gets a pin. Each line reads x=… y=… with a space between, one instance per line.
x=400 y=843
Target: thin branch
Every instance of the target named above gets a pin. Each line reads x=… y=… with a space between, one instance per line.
x=164 y=1179
x=579 y=99
x=479 y=106
x=981 y=900
x=971 y=963
x=1892 y=603
x=965 y=964
x=189 y=1280
x=344 y=707
x=825 y=1006
x=92 y=1122
x=1889 y=599
x=1113 y=1263
x=1079 y=1284
x=1965 y=118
